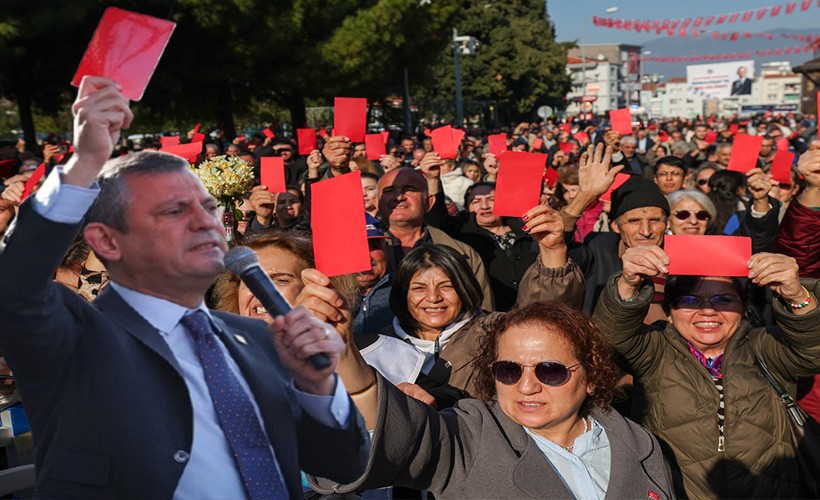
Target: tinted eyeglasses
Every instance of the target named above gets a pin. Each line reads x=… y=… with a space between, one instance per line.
x=280 y=152
x=722 y=302
x=549 y=373
x=703 y=182
x=701 y=215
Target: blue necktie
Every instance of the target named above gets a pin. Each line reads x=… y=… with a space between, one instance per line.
x=237 y=418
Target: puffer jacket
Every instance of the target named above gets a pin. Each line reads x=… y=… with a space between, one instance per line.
x=681 y=401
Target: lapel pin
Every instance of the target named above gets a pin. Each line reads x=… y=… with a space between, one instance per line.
x=240 y=339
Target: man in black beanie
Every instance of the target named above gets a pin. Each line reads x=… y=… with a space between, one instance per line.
x=637 y=217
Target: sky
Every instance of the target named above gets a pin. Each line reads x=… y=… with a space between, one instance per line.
x=573 y=19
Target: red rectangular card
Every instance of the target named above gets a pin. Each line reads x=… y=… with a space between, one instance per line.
x=385 y=135
x=188 y=151
x=307 y=140
x=566 y=147
x=618 y=182
x=268 y=133
x=350 y=117
x=497 y=143
x=33 y=180
x=621 y=120
x=272 y=173
x=337 y=218
x=444 y=143
x=198 y=137
x=782 y=167
x=745 y=152
x=374 y=145
x=782 y=144
x=518 y=187
x=733 y=128
x=7 y=168
x=686 y=252
x=458 y=136
x=566 y=127
x=126 y=47
x=581 y=137
x=551 y=176
x=169 y=140
x=537 y=144
x=711 y=137
x=197 y=127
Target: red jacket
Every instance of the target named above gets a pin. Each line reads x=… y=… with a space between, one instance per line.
x=798 y=238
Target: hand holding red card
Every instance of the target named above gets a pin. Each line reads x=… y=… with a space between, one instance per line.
x=32 y=181
x=782 y=167
x=498 y=143
x=272 y=173
x=621 y=120
x=551 y=176
x=307 y=140
x=126 y=47
x=444 y=142
x=350 y=118
x=374 y=145
x=695 y=255
x=188 y=151
x=745 y=152
x=337 y=218
x=518 y=186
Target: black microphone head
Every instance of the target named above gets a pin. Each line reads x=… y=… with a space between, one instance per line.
x=240 y=259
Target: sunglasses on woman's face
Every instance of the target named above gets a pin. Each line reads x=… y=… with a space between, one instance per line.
x=701 y=215
x=549 y=373
x=703 y=182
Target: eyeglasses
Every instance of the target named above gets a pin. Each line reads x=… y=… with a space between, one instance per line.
x=701 y=215
x=723 y=302
x=674 y=173
x=280 y=152
x=549 y=373
x=703 y=182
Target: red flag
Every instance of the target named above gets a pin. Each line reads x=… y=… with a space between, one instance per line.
x=628 y=25
x=790 y=7
x=734 y=17
x=747 y=35
x=656 y=25
x=647 y=25
x=637 y=25
x=708 y=20
x=721 y=18
x=686 y=23
x=675 y=24
x=665 y=24
x=618 y=23
x=697 y=22
x=780 y=52
x=775 y=10
x=682 y=33
x=694 y=33
x=761 y=13
x=716 y=35
x=747 y=16
x=805 y=5
x=798 y=50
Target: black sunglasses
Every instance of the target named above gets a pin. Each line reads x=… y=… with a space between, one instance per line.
x=701 y=215
x=703 y=182
x=549 y=373
x=718 y=302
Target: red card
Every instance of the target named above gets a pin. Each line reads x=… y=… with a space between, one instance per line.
x=711 y=137
x=498 y=143
x=374 y=144
x=581 y=137
x=307 y=140
x=59 y=158
x=322 y=132
x=350 y=117
x=169 y=140
x=427 y=132
x=518 y=187
x=197 y=127
x=566 y=127
x=733 y=128
x=198 y=137
x=621 y=120
x=566 y=147
x=551 y=176
x=272 y=173
x=458 y=136
x=126 y=48
x=240 y=138
x=537 y=144
x=782 y=144
x=385 y=135
x=268 y=133
x=618 y=182
x=32 y=181
x=782 y=167
x=7 y=168
x=745 y=152
x=444 y=142
x=337 y=219
x=188 y=151
x=686 y=252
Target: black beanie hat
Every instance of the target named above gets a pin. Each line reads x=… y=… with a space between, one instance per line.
x=637 y=192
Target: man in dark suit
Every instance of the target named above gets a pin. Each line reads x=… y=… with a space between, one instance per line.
x=147 y=393
x=743 y=85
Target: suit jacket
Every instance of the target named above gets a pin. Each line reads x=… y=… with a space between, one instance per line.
x=472 y=451
x=110 y=413
x=742 y=89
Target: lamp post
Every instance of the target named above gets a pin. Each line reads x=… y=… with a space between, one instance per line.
x=461 y=45
x=610 y=10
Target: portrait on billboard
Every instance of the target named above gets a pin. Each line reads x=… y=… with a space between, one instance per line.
x=743 y=84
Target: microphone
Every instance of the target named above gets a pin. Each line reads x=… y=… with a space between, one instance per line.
x=243 y=262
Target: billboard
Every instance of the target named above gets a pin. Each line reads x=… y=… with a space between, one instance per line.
x=721 y=80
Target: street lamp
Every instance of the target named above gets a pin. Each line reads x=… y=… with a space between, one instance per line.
x=610 y=10
x=461 y=45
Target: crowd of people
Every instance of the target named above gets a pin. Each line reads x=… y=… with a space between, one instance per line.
x=547 y=355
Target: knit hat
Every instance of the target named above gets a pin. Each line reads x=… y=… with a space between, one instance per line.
x=637 y=192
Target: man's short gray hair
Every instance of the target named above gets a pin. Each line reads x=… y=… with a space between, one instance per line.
x=112 y=203
x=628 y=139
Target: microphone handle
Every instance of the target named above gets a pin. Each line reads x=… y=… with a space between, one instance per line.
x=261 y=286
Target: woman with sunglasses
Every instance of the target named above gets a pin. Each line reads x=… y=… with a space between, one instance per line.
x=690 y=212
x=541 y=426
x=726 y=429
